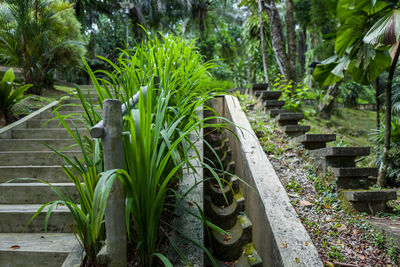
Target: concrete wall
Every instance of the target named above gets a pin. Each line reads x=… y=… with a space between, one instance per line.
x=278 y=235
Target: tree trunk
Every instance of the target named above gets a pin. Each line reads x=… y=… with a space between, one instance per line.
x=377 y=89
x=302 y=50
x=291 y=36
x=262 y=37
x=326 y=106
x=277 y=38
x=3 y=119
x=388 y=119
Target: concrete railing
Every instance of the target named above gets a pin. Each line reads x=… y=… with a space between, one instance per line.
x=278 y=234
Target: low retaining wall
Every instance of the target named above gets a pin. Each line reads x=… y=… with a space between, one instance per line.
x=278 y=235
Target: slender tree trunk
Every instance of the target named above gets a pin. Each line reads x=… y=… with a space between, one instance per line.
x=377 y=89
x=291 y=36
x=277 y=38
x=262 y=37
x=302 y=50
x=388 y=119
x=325 y=107
x=3 y=119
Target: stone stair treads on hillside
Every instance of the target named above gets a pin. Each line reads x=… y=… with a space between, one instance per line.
x=315 y=141
x=259 y=86
x=296 y=130
x=26 y=156
x=354 y=178
x=284 y=119
x=273 y=104
x=339 y=156
x=268 y=95
x=275 y=112
x=371 y=201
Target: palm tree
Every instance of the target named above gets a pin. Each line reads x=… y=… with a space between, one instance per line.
x=25 y=27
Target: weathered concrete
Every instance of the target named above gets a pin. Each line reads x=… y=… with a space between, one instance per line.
x=50 y=174
x=14 y=219
x=35 y=158
x=55 y=133
x=370 y=202
x=341 y=152
x=7 y=145
x=284 y=119
x=35 y=249
x=268 y=95
x=273 y=104
x=187 y=224
x=354 y=178
x=31 y=192
x=275 y=112
x=390 y=228
x=54 y=123
x=267 y=204
x=75 y=257
x=315 y=141
x=259 y=86
x=296 y=130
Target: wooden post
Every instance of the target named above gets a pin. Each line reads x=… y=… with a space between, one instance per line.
x=114 y=159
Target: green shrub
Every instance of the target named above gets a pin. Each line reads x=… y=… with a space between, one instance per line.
x=9 y=96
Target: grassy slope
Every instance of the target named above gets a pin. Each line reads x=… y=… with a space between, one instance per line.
x=352 y=127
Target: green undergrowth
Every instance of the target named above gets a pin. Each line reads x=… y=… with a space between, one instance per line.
x=351 y=126
x=30 y=104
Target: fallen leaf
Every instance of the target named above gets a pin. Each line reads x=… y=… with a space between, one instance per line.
x=355 y=232
x=306 y=243
x=14 y=247
x=330 y=264
x=342 y=228
x=284 y=245
x=305 y=203
x=361 y=257
x=227 y=237
x=297 y=260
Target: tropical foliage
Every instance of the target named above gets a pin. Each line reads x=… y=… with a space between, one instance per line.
x=10 y=95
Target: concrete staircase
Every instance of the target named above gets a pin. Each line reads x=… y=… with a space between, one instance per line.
x=24 y=155
x=342 y=160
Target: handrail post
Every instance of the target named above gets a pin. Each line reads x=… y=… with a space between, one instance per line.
x=116 y=236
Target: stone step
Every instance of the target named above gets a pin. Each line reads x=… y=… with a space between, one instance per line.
x=219 y=196
x=370 y=202
x=30 y=193
x=354 y=178
x=275 y=112
x=284 y=119
x=51 y=174
x=35 y=144
x=259 y=86
x=341 y=152
x=42 y=123
x=45 y=133
x=49 y=115
x=14 y=219
x=339 y=157
x=315 y=141
x=75 y=100
x=230 y=247
x=35 y=249
x=273 y=104
x=21 y=158
x=268 y=95
x=296 y=130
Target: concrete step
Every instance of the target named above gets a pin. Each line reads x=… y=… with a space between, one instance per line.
x=354 y=178
x=268 y=95
x=75 y=100
x=370 y=202
x=284 y=119
x=14 y=219
x=30 y=193
x=315 y=141
x=45 y=133
x=35 y=144
x=339 y=157
x=51 y=174
x=275 y=112
x=273 y=104
x=43 y=123
x=49 y=115
x=259 y=86
x=226 y=216
x=296 y=130
x=21 y=158
x=35 y=249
